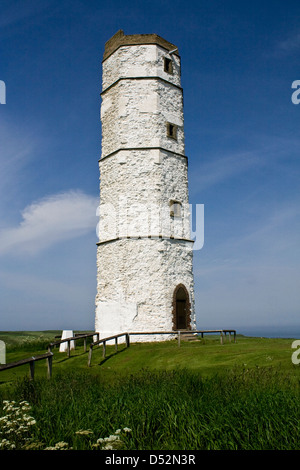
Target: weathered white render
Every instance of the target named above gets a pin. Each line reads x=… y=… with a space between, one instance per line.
x=145 y=255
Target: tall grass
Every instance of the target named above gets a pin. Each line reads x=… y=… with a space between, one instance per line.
x=245 y=409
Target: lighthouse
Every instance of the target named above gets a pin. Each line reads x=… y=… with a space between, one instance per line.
x=145 y=277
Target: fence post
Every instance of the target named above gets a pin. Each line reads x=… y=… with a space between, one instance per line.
x=127 y=340
x=104 y=349
x=31 y=366
x=84 y=344
x=90 y=355
x=179 y=339
x=49 y=367
x=69 y=348
x=116 y=343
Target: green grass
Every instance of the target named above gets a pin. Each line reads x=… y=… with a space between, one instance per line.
x=207 y=356
x=203 y=395
x=27 y=340
x=168 y=410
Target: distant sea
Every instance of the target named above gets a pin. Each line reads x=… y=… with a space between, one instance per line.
x=265 y=331
x=286 y=331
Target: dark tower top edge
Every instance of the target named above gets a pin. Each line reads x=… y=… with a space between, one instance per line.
x=120 y=39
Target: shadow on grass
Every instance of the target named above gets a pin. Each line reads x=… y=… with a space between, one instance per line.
x=66 y=358
x=61 y=360
x=111 y=356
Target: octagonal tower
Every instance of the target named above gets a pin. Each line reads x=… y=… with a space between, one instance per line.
x=144 y=254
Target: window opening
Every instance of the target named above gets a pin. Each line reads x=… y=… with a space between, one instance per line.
x=168 y=65
x=175 y=209
x=172 y=130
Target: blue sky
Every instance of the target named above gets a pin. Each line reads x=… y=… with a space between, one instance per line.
x=239 y=60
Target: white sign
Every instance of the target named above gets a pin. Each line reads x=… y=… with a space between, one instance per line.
x=64 y=346
x=2 y=352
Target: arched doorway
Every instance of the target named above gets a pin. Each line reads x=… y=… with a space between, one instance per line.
x=181 y=309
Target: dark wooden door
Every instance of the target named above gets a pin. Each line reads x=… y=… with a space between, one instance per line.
x=181 y=319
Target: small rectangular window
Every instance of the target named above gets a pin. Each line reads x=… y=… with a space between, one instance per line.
x=172 y=130
x=168 y=65
x=175 y=209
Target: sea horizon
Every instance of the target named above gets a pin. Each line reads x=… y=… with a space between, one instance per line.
x=264 y=331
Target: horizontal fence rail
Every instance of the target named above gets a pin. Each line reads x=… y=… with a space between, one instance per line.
x=49 y=355
x=73 y=338
x=179 y=333
x=103 y=342
x=31 y=361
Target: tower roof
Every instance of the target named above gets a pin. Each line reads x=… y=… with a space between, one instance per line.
x=120 y=39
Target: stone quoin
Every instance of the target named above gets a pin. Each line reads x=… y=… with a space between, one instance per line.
x=144 y=253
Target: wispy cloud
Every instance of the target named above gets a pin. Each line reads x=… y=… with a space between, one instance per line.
x=14 y=13
x=223 y=168
x=252 y=277
x=50 y=220
x=285 y=46
x=269 y=236
x=290 y=44
x=268 y=150
x=16 y=150
x=19 y=146
x=279 y=232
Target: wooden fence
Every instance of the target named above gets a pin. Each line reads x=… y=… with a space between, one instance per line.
x=48 y=355
x=179 y=333
x=73 y=338
x=103 y=341
x=31 y=361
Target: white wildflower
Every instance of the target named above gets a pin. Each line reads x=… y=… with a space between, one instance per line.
x=58 y=446
x=96 y=446
x=61 y=445
x=15 y=424
x=83 y=432
x=111 y=438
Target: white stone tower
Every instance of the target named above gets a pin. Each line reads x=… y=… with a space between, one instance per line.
x=145 y=254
